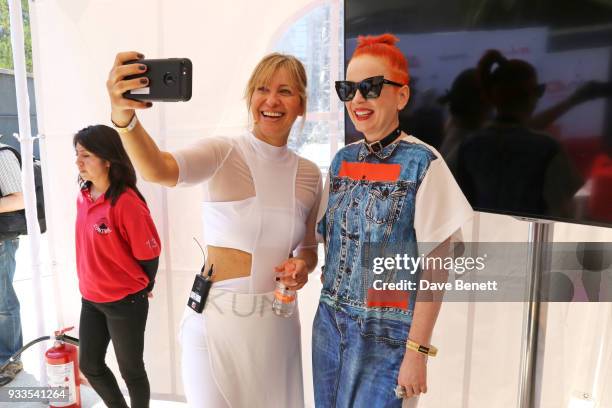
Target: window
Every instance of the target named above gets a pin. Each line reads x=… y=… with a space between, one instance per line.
x=316 y=37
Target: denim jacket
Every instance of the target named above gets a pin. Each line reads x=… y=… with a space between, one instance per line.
x=371 y=205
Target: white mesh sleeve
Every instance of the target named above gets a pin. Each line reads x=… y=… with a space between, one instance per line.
x=310 y=240
x=200 y=161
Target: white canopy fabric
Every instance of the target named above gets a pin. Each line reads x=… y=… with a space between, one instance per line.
x=75 y=42
x=75 y=45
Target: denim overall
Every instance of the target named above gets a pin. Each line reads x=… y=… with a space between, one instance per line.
x=357 y=348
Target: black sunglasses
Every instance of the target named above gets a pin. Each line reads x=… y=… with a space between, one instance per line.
x=370 y=88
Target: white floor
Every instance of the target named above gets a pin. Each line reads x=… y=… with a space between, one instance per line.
x=89 y=399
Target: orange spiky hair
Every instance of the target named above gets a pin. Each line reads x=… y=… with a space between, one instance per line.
x=383 y=46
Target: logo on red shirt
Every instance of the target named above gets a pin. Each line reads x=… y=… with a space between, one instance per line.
x=102 y=226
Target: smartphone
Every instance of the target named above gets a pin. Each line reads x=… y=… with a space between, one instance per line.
x=169 y=80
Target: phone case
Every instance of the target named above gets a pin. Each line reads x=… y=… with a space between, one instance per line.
x=169 y=80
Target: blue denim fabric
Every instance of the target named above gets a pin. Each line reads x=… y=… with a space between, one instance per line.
x=362 y=214
x=356 y=361
x=357 y=349
x=10 y=321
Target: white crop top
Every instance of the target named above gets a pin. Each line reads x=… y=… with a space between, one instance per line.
x=258 y=198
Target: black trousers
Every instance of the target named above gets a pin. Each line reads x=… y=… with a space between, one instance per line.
x=124 y=323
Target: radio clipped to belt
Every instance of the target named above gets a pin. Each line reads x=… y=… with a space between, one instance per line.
x=201 y=287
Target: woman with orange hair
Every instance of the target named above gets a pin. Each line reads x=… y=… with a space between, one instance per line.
x=386 y=195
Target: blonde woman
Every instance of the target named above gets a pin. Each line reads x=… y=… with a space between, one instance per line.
x=261 y=201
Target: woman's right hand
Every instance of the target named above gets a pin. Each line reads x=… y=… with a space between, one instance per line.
x=293 y=272
x=122 y=109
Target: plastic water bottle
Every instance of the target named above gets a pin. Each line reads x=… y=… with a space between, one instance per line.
x=284 y=300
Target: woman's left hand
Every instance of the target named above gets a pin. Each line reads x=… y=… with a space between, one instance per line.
x=413 y=373
x=293 y=273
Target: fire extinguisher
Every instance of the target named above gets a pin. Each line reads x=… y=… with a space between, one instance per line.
x=63 y=369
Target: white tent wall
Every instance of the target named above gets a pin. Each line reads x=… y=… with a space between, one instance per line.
x=75 y=42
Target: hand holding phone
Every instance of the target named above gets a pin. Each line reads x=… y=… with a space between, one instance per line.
x=122 y=109
x=169 y=80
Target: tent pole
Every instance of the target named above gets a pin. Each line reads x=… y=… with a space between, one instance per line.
x=27 y=170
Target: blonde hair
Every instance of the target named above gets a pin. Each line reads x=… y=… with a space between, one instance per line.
x=267 y=68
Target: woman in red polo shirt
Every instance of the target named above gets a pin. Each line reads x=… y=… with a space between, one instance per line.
x=117 y=250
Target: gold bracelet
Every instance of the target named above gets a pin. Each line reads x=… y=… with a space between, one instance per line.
x=414 y=346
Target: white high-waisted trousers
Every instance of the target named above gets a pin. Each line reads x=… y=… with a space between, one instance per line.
x=238 y=353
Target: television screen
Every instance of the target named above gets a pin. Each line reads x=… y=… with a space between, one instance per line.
x=516 y=96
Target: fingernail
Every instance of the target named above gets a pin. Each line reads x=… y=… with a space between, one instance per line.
x=140 y=56
x=142 y=67
x=143 y=80
x=149 y=104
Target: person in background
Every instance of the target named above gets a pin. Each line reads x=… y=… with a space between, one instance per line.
x=117 y=251
x=11 y=199
x=507 y=165
x=468 y=109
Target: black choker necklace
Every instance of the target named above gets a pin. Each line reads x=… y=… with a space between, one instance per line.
x=378 y=145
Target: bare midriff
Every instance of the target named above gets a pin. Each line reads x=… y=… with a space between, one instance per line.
x=229 y=263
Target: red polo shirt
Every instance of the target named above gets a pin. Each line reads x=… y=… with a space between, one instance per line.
x=109 y=241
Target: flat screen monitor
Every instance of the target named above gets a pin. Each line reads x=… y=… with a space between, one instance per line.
x=533 y=140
